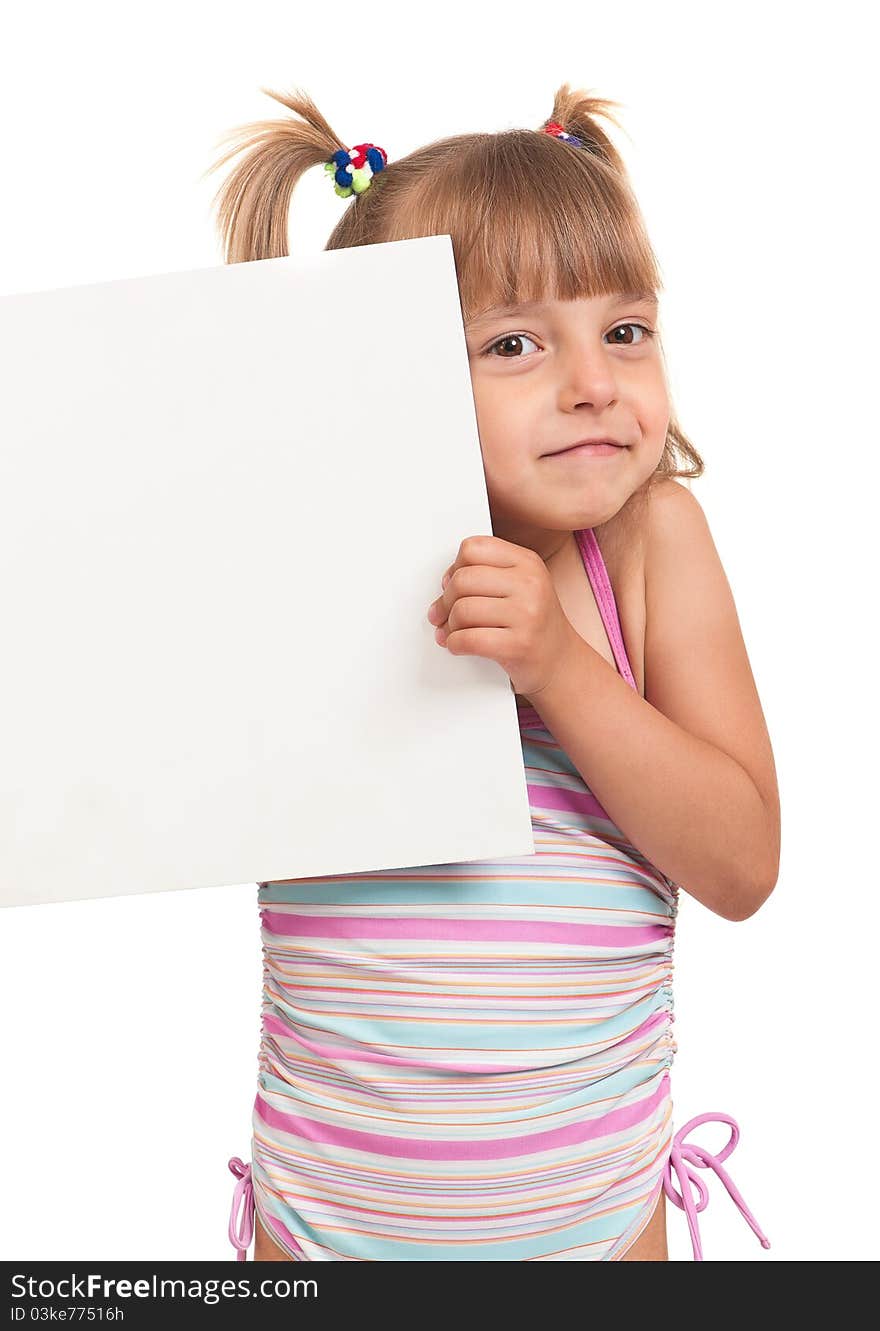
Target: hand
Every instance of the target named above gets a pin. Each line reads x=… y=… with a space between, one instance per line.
x=499 y=602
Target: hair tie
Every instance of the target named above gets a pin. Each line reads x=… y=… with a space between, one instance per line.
x=558 y=132
x=353 y=169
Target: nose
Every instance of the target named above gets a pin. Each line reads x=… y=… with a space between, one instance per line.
x=587 y=375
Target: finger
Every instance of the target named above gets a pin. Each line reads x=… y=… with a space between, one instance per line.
x=487 y=550
x=493 y=643
x=475 y=580
x=478 y=612
x=491 y=550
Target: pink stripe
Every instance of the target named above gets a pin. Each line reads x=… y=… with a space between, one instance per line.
x=569 y=801
x=498 y=1149
x=282 y=1232
x=517 y=931
x=529 y=717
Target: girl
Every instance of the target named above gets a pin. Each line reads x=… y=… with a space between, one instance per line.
x=472 y=1061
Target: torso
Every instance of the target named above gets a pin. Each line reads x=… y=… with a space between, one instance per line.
x=621 y=544
x=620 y=541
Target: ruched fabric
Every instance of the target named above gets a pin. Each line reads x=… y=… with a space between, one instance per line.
x=471 y=1061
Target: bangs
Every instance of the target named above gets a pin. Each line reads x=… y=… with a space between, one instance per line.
x=531 y=218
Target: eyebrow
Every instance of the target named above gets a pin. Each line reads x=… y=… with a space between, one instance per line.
x=495 y=311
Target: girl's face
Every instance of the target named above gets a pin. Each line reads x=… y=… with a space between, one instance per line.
x=548 y=374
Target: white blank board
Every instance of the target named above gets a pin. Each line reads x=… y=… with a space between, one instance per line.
x=227 y=497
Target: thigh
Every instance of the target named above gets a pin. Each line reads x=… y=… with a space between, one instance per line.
x=265 y=1247
x=650 y=1246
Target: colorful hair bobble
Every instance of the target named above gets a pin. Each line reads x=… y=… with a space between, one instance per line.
x=353 y=170
x=558 y=132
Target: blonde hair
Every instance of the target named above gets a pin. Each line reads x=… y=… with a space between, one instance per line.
x=530 y=216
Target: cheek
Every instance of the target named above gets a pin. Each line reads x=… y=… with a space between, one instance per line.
x=654 y=412
x=492 y=408
x=659 y=405
x=504 y=440
x=657 y=422
x=651 y=448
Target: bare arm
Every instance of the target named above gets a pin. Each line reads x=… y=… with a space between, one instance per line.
x=686 y=772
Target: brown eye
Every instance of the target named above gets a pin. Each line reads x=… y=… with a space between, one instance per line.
x=510 y=338
x=621 y=328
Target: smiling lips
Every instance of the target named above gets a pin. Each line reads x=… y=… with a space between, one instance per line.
x=597 y=450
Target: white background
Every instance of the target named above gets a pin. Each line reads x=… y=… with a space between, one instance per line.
x=130 y=1027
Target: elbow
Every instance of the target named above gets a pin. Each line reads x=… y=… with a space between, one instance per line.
x=749 y=897
x=762 y=874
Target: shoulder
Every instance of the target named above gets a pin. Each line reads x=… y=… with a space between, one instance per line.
x=680 y=561
x=687 y=594
x=673 y=516
x=660 y=525
x=663 y=512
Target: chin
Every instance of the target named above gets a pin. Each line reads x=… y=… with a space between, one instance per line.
x=600 y=509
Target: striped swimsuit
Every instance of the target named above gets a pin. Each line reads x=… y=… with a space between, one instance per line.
x=471 y=1062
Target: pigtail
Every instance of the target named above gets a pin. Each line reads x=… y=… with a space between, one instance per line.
x=576 y=112
x=253 y=204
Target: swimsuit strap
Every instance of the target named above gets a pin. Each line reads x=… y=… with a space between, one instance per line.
x=604 y=594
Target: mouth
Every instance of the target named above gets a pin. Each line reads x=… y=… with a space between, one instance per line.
x=598 y=448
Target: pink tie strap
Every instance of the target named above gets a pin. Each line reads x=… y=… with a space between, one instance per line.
x=243 y=1196
x=682 y=1157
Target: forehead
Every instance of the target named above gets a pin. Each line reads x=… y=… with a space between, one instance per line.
x=609 y=301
